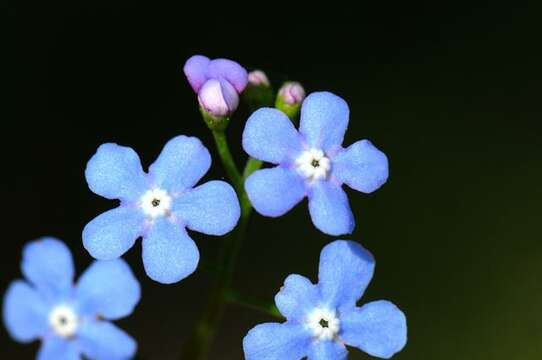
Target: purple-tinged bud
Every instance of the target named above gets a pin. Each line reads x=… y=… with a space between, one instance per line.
x=198 y=69
x=218 y=98
x=292 y=93
x=289 y=98
x=258 y=78
x=218 y=84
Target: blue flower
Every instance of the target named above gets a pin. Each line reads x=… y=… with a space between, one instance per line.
x=71 y=319
x=158 y=206
x=323 y=318
x=311 y=163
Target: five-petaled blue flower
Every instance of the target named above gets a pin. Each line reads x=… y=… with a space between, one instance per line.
x=323 y=318
x=71 y=319
x=311 y=162
x=158 y=206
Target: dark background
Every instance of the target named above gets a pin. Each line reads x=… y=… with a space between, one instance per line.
x=451 y=93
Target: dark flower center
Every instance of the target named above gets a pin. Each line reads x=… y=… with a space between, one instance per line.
x=155 y=202
x=62 y=320
x=315 y=163
x=324 y=323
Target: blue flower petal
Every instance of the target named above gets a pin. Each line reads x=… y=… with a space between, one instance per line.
x=273 y=341
x=57 y=348
x=108 y=289
x=378 y=328
x=47 y=263
x=211 y=208
x=270 y=136
x=273 y=192
x=327 y=350
x=115 y=172
x=112 y=233
x=297 y=297
x=25 y=312
x=324 y=119
x=346 y=269
x=169 y=254
x=103 y=340
x=361 y=166
x=183 y=161
x=330 y=209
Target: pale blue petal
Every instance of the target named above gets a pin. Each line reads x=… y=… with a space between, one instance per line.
x=112 y=233
x=57 y=348
x=379 y=328
x=270 y=136
x=324 y=119
x=25 y=312
x=330 y=209
x=47 y=263
x=211 y=208
x=108 y=289
x=346 y=269
x=297 y=297
x=104 y=341
x=361 y=166
x=327 y=350
x=273 y=341
x=115 y=172
x=169 y=254
x=183 y=161
x=273 y=192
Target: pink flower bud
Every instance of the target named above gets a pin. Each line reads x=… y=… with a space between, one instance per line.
x=258 y=78
x=218 y=97
x=292 y=93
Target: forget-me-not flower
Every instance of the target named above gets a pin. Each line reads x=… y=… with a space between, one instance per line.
x=158 y=206
x=217 y=82
x=311 y=162
x=323 y=318
x=71 y=320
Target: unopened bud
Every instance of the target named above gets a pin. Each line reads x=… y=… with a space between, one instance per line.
x=289 y=98
x=258 y=93
x=258 y=78
x=292 y=93
x=218 y=100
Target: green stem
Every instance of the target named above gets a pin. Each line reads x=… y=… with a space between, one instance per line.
x=227 y=160
x=251 y=166
x=255 y=304
x=197 y=346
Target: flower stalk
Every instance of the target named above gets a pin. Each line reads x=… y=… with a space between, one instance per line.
x=198 y=345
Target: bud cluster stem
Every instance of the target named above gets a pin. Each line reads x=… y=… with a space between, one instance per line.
x=197 y=346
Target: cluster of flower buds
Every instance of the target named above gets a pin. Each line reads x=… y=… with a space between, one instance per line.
x=219 y=83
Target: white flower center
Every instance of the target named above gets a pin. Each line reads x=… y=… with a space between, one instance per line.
x=155 y=203
x=324 y=323
x=313 y=164
x=63 y=320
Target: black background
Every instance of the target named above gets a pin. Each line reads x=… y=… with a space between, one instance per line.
x=451 y=93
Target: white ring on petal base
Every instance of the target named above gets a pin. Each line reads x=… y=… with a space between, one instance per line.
x=323 y=323
x=156 y=203
x=64 y=321
x=313 y=164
